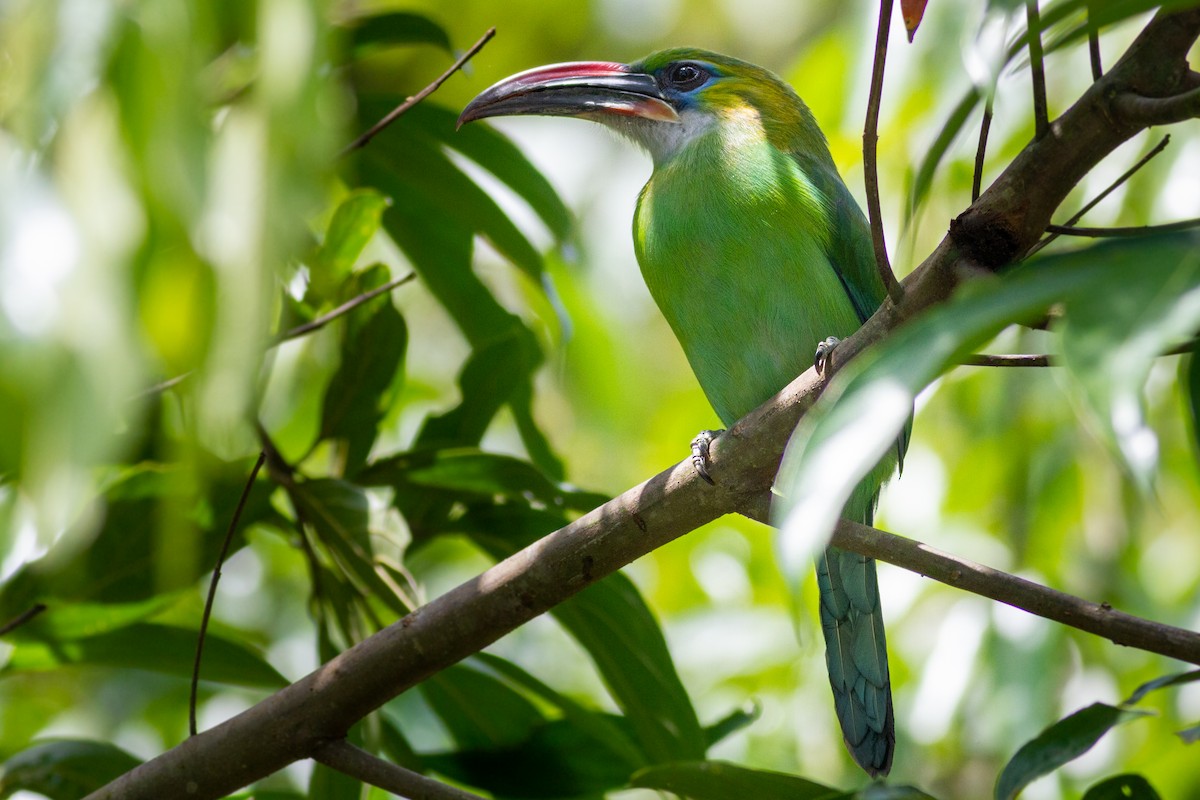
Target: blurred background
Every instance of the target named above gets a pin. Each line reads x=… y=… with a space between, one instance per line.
x=160 y=163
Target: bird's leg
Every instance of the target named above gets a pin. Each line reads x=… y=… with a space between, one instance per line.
x=700 y=453
x=821 y=359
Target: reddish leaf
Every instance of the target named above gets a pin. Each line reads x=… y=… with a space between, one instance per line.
x=913 y=11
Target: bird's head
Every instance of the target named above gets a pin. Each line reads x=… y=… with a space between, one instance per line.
x=663 y=101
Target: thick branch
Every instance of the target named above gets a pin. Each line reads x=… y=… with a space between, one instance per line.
x=1006 y=220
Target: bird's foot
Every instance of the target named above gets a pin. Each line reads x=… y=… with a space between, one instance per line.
x=700 y=454
x=822 y=358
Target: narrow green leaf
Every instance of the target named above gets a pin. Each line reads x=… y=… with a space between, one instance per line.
x=936 y=151
x=1122 y=787
x=1113 y=332
x=557 y=762
x=154 y=648
x=372 y=357
x=1189 y=735
x=131 y=559
x=473 y=471
x=864 y=409
x=428 y=174
x=603 y=728
x=64 y=769
x=613 y=623
x=397 y=28
x=493 y=151
x=479 y=711
x=719 y=780
x=1175 y=679
x=1062 y=742
x=355 y=221
x=1189 y=370
x=338 y=512
x=732 y=722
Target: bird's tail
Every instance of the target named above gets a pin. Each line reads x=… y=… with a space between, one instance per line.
x=856 y=652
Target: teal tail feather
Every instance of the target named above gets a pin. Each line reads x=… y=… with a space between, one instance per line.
x=856 y=655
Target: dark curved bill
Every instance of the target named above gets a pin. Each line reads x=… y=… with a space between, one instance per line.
x=575 y=89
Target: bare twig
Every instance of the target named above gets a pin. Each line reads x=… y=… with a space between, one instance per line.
x=212 y=589
x=1094 y=47
x=23 y=618
x=1037 y=69
x=409 y=102
x=1007 y=360
x=870 y=156
x=1126 y=175
x=981 y=150
x=344 y=308
x=1100 y=619
x=1138 y=230
x=341 y=755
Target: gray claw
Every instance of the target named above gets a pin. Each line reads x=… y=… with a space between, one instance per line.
x=821 y=359
x=700 y=454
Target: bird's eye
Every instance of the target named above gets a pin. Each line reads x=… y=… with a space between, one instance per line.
x=686 y=76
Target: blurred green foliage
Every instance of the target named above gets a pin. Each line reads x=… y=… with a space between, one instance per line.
x=174 y=208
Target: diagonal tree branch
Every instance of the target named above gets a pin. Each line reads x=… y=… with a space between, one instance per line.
x=1004 y=223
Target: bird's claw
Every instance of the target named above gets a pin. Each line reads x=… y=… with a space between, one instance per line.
x=821 y=359
x=700 y=454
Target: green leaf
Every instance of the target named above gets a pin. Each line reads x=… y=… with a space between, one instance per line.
x=866 y=405
x=607 y=732
x=162 y=529
x=1189 y=735
x=372 y=357
x=338 y=512
x=936 y=151
x=1113 y=332
x=557 y=761
x=1175 y=679
x=732 y=722
x=480 y=712
x=882 y=791
x=1190 y=380
x=1062 y=742
x=355 y=221
x=1122 y=787
x=154 y=648
x=425 y=172
x=397 y=28
x=613 y=623
x=719 y=780
x=64 y=769
x=472 y=471
x=493 y=151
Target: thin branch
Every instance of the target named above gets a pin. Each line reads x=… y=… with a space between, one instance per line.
x=212 y=588
x=162 y=386
x=1139 y=230
x=21 y=619
x=1100 y=619
x=1044 y=360
x=344 y=308
x=981 y=150
x=870 y=156
x=1007 y=360
x=1126 y=175
x=1037 y=69
x=1142 y=111
x=346 y=758
x=1094 y=47
x=409 y=102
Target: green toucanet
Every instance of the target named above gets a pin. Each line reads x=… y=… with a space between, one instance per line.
x=755 y=252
